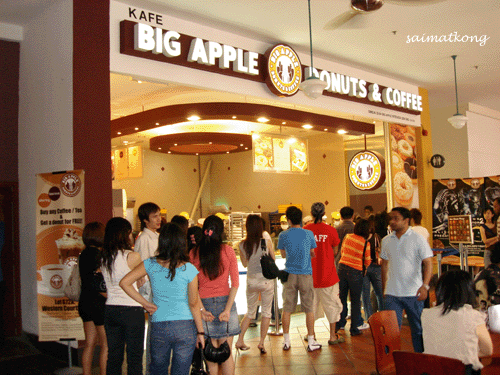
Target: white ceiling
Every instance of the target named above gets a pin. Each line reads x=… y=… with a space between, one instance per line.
x=380 y=45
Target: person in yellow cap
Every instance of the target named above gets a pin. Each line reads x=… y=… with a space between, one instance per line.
x=221 y=215
x=185 y=214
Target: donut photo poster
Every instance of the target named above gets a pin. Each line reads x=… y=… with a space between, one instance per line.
x=404 y=165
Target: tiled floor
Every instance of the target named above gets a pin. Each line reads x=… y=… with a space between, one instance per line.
x=355 y=356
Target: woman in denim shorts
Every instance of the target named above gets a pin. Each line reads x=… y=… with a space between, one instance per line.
x=217 y=264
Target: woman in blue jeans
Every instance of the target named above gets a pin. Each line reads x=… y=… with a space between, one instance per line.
x=123 y=317
x=176 y=326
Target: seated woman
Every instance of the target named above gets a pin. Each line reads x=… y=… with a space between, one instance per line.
x=453 y=328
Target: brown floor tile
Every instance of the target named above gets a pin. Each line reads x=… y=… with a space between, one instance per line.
x=294 y=370
x=268 y=370
x=335 y=369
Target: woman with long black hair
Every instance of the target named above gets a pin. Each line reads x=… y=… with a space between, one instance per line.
x=217 y=265
x=176 y=326
x=124 y=317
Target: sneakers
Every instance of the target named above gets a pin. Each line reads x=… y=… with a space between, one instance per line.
x=364 y=326
x=313 y=345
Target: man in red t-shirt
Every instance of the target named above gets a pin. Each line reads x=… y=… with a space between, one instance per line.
x=325 y=278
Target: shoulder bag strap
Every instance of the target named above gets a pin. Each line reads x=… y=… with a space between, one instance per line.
x=363 y=258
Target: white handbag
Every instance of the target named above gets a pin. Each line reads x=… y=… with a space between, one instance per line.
x=494 y=318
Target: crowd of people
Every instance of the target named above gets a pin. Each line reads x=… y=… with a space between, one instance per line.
x=186 y=279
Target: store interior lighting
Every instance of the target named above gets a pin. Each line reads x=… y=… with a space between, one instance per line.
x=458 y=120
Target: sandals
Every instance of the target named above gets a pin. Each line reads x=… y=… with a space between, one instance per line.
x=262 y=349
x=242 y=347
x=340 y=339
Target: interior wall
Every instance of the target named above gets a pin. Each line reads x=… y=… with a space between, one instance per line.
x=9 y=109
x=233 y=181
x=450 y=142
x=170 y=181
x=483 y=135
x=45 y=139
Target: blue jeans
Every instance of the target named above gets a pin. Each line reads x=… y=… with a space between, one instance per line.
x=176 y=337
x=413 y=309
x=124 y=325
x=374 y=277
x=351 y=280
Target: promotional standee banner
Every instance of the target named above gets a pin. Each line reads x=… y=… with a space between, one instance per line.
x=404 y=166
x=59 y=225
x=467 y=196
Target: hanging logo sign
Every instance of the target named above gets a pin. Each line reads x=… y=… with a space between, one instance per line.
x=367 y=170
x=437 y=161
x=284 y=70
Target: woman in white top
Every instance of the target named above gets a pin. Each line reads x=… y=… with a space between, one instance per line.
x=453 y=328
x=250 y=254
x=124 y=317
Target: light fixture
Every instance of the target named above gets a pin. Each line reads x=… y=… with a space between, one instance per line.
x=136 y=128
x=458 y=121
x=312 y=86
x=342 y=131
x=262 y=119
x=292 y=140
x=307 y=126
x=193 y=118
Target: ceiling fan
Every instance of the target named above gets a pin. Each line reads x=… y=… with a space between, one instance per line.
x=364 y=7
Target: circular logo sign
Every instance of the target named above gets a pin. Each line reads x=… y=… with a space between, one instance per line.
x=284 y=70
x=437 y=161
x=367 y=170
x=71 y=184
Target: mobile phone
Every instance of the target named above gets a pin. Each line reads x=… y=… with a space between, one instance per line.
x=263 y=244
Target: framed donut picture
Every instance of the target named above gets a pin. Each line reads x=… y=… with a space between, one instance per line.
x=403 y=144
x=460 y=229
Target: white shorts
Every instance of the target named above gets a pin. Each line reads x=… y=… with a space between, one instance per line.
x=327 y=302
x=264 y=287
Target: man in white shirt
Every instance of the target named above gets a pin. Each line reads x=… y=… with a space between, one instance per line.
x=146 y=245
x=403 y=253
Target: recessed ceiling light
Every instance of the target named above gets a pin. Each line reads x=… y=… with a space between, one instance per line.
x=159 y=148
x=342 y=131
x=136 y=128
x=125 y=142
x=241 y=144
x=246 y=148
x=157 y=123
x=283 y=123
x=255 y=136
x=325 y=129
x=307 y=126
x=119 y=133
x=139 y=81
x=209 y=143
x=292 y=140
x=227 y=152
x=234 y=117
x=262 y=119
x=197 y=153
x=193 y=118
x=170 y=152
x=175 y=144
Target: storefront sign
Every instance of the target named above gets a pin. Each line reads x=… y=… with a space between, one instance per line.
x=367 y=170
x=60 y=221
x=280 y=67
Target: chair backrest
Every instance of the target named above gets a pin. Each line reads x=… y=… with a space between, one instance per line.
x=409 y=363
x=386 y=339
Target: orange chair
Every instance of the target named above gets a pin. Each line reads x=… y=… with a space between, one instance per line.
x=386 y=339
x=409 y=363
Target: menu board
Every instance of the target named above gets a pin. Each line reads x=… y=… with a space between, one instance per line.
x=280 y=154
x=460 y=229
x=60 y=221
x=127 y=162
x=404 y=165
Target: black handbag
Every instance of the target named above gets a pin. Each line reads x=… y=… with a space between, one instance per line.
x=269 y=268
x=216 y=355
x=198 y=365
x=98 y=283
